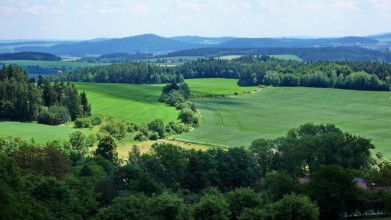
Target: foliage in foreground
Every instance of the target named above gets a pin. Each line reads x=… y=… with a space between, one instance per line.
x=66 y=179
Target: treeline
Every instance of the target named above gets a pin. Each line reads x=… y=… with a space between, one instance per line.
x=133 y=73
x=118 y=57
x=29 y=56
x=249 y=70
x=307 y=54
x=67 y=179
x=344 y=75
x=21 y=99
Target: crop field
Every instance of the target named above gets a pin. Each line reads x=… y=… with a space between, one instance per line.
x=213 y=86
x=271 y=112
x=41 y=133
x=51 y=64
x=135 y=103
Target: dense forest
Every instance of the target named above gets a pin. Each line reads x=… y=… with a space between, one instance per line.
x=133 y=73
x=21 y=99
x=307 y=54
x=309 y=173
x=249 y=70
x=29 y=56
x=118 y=57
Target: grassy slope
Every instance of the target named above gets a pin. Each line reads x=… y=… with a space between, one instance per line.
x=236 y=121
x=41 y=133
x=136 y=103
x=213 y=86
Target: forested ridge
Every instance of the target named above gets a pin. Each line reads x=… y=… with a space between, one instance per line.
x=29 y=56
x=307 y=54
x=68 y=179
x=249 y=70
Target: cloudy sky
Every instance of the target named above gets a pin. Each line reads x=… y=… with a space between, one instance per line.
x=87 y=19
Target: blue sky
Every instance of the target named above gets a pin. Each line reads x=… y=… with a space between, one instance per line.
x=88 y=19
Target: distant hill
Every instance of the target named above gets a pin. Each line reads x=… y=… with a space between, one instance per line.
x=157 y=45
x=307 y=53
x=142 y=43
x=202 y=40
x=294 y=42
x=381 y=37
x=29 y=56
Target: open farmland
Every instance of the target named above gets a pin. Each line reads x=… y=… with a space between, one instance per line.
x=236 y=121
x=213 y=86
x=135 y=103
x=41 y=133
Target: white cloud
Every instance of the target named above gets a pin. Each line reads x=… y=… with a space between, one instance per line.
x=193 y=5
x=8 y=11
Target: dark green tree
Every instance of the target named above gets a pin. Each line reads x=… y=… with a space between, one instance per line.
x=107 y=148
x=293 y=207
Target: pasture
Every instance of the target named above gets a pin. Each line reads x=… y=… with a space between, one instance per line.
x=236 y=121
x=213 y=86
x=135 y=103
x=41 y=133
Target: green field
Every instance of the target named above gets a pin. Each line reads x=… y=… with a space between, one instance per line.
x=213 y=86
x=41 y=133
x=135 y=103
x=236 y=121
x=51 y=64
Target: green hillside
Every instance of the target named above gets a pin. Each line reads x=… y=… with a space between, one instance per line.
x=236 y=121
x=41 y=133
x=135 y=103
x=213 y=86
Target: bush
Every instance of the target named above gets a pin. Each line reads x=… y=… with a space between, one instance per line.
x=115 y=128
x=140 y=137
x=54 y=115
x=154 y=136
x=132 y=127
x=187 y=116
x=82 y=123
x=157 y=125
x=96 y=120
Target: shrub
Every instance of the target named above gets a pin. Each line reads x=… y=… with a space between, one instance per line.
x=82 y=123
x=54 y=115
x=140 y=137
x=96 y=120
x=115 y=128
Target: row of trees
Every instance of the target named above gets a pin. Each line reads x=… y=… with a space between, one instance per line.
x=133 y=73
x=177 y=96
x=66 y=179
x=249 y=70
x=22 y=99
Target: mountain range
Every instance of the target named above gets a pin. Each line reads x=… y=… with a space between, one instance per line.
x=150 y=43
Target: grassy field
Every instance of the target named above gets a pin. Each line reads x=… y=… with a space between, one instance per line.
x=41 y=133
x=135 y=103
x=213 y=86
x=51 y=64
x=236 y=121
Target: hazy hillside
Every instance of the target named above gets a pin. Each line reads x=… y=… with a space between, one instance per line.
x=294 y=42
x=150 y=43
x=29 y=56
x=142 y=43
x=202 y=40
